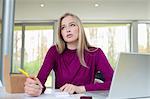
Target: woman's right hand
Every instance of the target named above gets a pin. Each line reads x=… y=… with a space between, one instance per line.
x=33 y=86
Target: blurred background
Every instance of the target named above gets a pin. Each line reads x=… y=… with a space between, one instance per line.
x=113 y=25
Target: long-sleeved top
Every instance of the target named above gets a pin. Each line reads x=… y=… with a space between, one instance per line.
x=68 y=69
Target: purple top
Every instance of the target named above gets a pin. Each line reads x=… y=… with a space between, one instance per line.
x=68 y=69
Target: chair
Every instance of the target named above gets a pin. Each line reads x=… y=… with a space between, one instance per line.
x=99 y=77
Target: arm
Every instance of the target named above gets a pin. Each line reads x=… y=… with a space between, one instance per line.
x=47 y=66
x=35 y=86
x=105 y=68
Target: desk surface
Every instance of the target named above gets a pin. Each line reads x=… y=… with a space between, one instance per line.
x=52 y=94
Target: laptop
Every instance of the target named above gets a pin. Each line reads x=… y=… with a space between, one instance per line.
x=131 y=77
x=1 y=84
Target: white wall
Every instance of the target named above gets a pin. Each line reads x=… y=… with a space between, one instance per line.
x=149 y=9
x=112 y=10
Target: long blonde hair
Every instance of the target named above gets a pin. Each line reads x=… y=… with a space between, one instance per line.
x=82 y=40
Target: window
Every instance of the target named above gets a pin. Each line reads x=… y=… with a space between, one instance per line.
x=30 y=44
x=144 y=38
x=38 y=40
x=17 y=44
x=111 y=38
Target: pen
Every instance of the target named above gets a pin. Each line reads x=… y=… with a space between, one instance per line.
x=23 y=72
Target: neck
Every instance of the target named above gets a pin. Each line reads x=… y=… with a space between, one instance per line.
x=72 y=46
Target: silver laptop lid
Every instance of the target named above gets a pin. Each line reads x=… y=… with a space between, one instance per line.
x=131 y=77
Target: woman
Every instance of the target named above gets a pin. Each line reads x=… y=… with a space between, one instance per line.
x=73 y=60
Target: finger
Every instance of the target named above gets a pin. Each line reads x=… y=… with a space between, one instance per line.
x=36 y=86
x=26 y=83
x=36 y=81
x=72 y=91
x=31 y=85
x=32 y=76
x=29 y=88
x=71 y=88
x=30 y=80
x=63 y=87
x=32 y=91
x=25 y=88
x=68 y=88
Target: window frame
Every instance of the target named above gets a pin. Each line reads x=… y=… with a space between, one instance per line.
x=116 y=22
x=23 y=25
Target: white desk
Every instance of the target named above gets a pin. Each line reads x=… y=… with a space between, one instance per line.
x=50 y=94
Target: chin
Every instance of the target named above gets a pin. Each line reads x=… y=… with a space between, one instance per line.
x=70 y=40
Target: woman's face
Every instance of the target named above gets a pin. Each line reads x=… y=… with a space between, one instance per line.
x=69 y=29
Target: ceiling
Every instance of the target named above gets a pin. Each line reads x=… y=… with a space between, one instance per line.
x=66 y=1
x=71 y=0
x=22 y=6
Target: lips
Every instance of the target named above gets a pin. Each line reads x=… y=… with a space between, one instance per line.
x=69 y=35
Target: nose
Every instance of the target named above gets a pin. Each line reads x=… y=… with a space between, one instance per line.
x=68 y=29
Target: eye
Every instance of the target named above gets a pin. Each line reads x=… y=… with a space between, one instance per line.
x=72 y=24
x=62 y=27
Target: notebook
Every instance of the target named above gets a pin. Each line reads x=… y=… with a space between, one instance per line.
x=131 y=78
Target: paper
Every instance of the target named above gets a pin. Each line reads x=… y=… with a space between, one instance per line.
x=57 y=93
x=61 y=94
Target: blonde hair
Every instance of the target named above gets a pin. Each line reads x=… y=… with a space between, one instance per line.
x=82 y=40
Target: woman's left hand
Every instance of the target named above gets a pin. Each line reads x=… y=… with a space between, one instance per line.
x=70 y=88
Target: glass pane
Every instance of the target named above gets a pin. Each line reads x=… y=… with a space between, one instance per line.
x=112 y=38
x=38 y=40
x=17 y=44
x=144 y=38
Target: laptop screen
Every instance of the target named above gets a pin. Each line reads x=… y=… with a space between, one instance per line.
x=131 y=77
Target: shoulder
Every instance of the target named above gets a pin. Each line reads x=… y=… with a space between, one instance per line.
x=53 y=49
x=94 y=50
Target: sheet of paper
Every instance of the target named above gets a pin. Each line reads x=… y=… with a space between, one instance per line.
x=61 y=94
x=57 y=93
